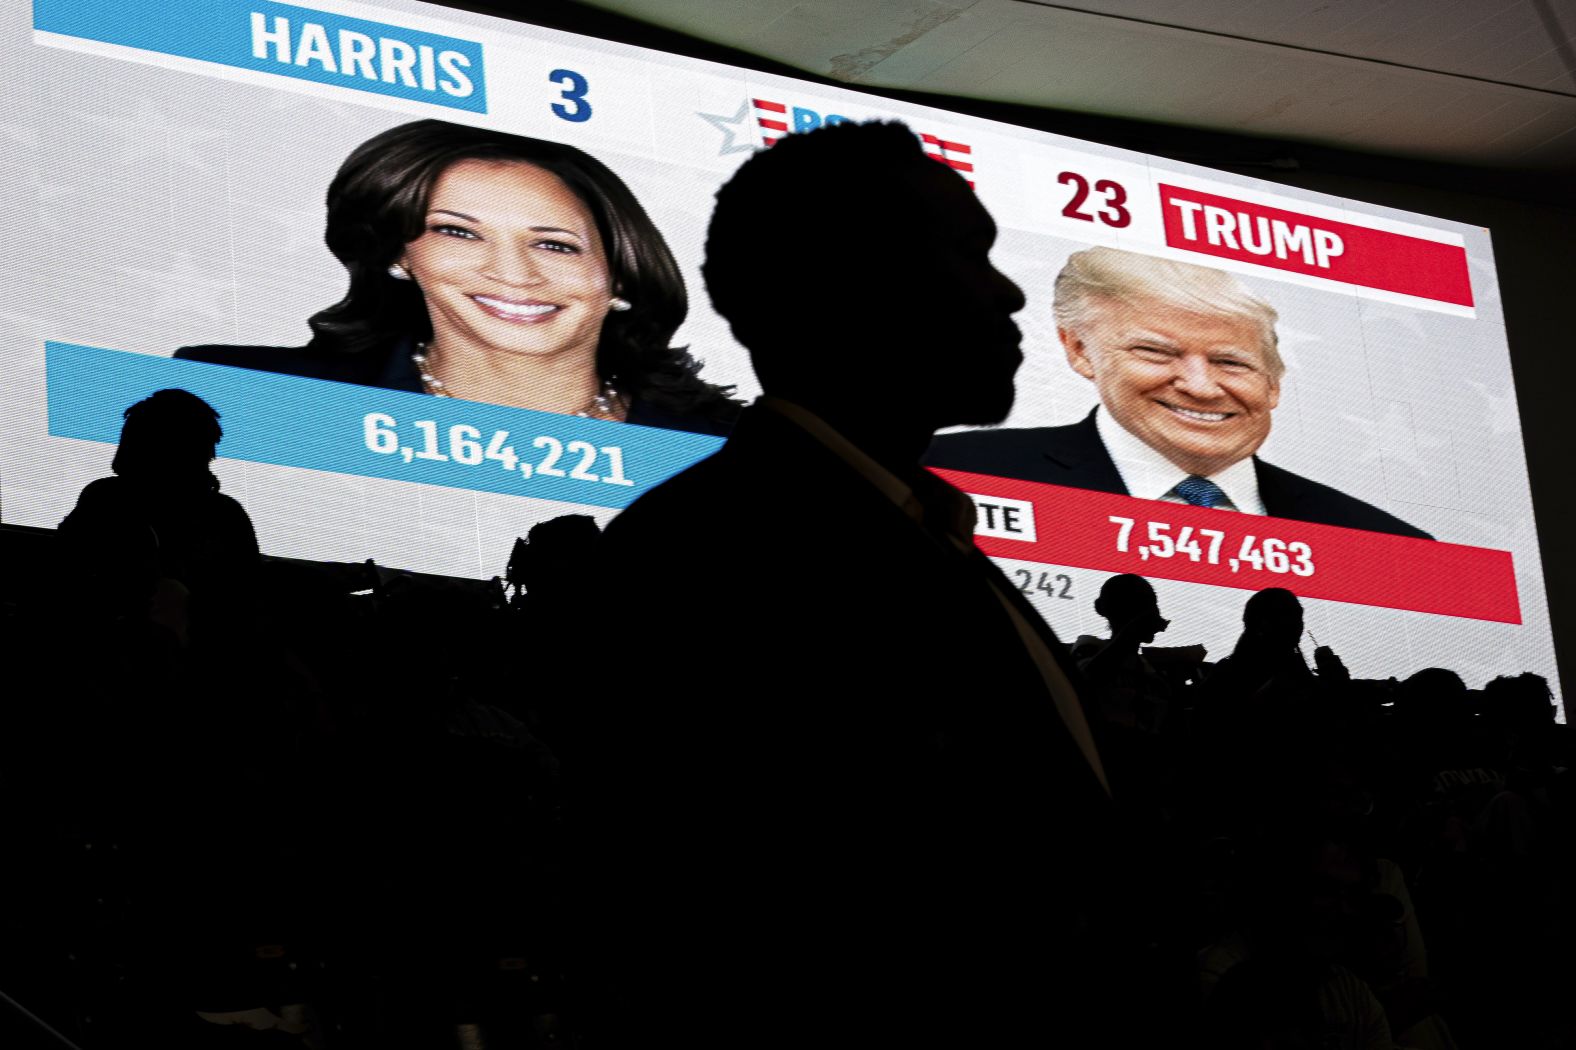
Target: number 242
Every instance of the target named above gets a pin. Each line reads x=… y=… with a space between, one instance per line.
x=1047 y=583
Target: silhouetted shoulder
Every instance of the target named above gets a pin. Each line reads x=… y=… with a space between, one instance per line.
x=98 y=500
x=233 y=524
x=104 y=490
x=663 y=527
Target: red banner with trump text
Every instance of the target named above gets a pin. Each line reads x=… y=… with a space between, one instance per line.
x=1365 y=256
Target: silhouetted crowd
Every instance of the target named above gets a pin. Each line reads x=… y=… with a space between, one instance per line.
x=708 y=779
x=273 y=803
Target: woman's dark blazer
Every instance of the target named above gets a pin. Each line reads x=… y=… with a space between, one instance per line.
x=394 y=370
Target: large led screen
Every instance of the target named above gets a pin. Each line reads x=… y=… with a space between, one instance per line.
x=250 y=200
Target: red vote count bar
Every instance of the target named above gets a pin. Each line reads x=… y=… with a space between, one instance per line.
x=1029 y=521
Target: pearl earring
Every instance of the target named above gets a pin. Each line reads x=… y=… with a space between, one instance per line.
x=619 y=304
x=398 y=272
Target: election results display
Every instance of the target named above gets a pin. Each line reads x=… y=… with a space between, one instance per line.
x=1228 y=385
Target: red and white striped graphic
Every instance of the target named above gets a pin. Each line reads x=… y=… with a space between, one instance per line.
x=955 y=155
x=773 y=119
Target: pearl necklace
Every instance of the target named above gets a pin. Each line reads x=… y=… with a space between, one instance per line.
x=606 y=403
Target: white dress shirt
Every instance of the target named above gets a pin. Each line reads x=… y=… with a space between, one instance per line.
x=1149 y=475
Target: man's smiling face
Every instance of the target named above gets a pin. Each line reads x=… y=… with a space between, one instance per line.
x=1196 y=387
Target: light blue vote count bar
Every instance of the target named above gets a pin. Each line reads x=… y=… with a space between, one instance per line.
x=315 y=424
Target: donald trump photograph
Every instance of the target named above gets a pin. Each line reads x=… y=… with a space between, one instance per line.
x=1187 y=365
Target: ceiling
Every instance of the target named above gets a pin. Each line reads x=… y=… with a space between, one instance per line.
x=1479 y=82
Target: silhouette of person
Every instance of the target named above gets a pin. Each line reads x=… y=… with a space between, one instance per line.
x=556 y=569
x=1267 y=656
x=1524 y=708
x=1272 y=622
x=1131 y=693
x=161 y=546
x=1262 y=712
x=158 y=537
x=552 y=563
x=847 y=793
x=1128 y=695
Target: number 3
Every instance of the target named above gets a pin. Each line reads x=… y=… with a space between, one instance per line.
x=579 y=110
x=1113 y=214
x=1303 y=566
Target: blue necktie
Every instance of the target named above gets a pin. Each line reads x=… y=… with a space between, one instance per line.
x=1200 y=492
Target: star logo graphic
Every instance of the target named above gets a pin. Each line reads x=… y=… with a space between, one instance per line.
x=736 y=139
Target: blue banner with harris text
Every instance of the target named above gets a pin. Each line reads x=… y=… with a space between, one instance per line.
x=297 y=42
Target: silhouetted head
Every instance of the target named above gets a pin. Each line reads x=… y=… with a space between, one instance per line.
x=1125 y=598
x=378 y=204
x=558 y=553
x=1273 y=617
x=1522 y=701
x=1434 y=694
x=1435 y=682
x=857 y=271
x=170 y=436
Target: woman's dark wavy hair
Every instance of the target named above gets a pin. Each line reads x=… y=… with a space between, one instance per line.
x=171 y=435
x=377 y=204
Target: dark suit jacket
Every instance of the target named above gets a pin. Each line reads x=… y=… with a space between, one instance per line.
x=833 y=802
x=1075 y=456
x=394 y=370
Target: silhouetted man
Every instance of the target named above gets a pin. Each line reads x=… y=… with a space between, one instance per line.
x=850 y=797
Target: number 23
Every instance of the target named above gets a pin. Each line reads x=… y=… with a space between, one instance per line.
x=1113 y=214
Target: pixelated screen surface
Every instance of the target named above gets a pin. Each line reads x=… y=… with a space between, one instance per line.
x=1227 y=384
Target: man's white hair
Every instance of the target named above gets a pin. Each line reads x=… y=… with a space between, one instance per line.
x=1097 y=276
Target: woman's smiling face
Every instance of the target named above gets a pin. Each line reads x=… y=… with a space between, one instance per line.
x=510 y=261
